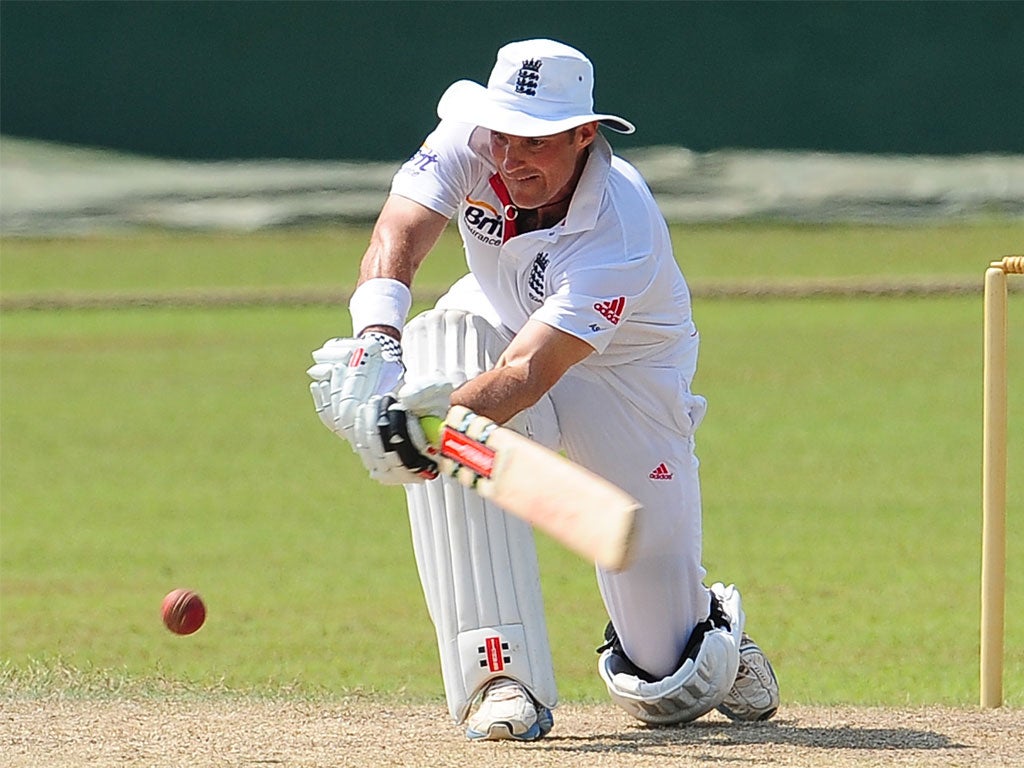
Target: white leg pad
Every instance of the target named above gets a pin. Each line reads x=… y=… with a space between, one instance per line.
x=477 y=564
x=698 y=686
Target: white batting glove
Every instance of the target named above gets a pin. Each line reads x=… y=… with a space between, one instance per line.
x=430 y=396
x=391 y=443
x=348 y=372
x=388 y=436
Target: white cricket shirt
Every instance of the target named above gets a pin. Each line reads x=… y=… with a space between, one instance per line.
x=605 y=274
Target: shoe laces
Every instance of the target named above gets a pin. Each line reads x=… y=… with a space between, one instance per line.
x=504 y=690
x=750 y=673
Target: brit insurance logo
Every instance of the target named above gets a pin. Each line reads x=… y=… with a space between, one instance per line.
x=422 y=161
x=484 y=221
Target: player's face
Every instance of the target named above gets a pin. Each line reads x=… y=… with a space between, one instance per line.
x=538 y=170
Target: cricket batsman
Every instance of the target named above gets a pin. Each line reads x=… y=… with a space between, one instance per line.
x=573 y=326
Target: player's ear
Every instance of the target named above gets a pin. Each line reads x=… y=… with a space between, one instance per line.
x=585 y=134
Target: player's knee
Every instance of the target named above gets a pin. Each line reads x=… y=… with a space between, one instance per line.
x=701 y=682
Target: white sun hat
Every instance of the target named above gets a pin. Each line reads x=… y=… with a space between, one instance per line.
x=537 y=88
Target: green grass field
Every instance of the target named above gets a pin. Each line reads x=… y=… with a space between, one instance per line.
x=145 y=449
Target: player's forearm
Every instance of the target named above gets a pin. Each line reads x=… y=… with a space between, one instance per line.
x=404 y=234
x=385 y=257
x=531 y=365
x=381 y=265
x=499 y=394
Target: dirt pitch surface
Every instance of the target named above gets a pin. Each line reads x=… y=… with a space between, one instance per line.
x=59 y=733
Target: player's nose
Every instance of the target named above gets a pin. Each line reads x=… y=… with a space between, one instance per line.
x=511 y=160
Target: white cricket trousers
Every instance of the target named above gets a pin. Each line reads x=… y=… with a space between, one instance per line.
x=656 y=602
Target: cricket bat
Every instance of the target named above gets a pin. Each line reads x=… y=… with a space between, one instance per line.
x=572 y=505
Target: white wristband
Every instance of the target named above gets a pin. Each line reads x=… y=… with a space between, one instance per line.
x=379 y=301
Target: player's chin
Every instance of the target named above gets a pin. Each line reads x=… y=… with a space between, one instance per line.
x=529 y=202
x=528 y=193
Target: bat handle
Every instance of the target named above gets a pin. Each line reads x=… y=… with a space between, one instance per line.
x=432 y=428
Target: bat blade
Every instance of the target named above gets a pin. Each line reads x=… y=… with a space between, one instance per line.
x=577 y=508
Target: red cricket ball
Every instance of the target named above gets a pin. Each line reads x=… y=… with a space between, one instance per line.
x=183 y=611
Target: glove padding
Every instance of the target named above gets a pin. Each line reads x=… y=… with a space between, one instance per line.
x=348 y=372
x=388 y=436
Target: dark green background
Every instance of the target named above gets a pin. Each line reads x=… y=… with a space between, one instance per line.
x=361 y=79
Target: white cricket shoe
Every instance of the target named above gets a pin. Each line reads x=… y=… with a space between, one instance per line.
x=507 y=711
x=755 y=694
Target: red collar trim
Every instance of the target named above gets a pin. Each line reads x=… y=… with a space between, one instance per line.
x=508 y=228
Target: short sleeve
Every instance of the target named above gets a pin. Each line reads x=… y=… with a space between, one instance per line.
x=592 y=304
x=441 y=172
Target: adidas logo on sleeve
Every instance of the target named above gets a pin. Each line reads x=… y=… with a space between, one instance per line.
x=612 y=309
